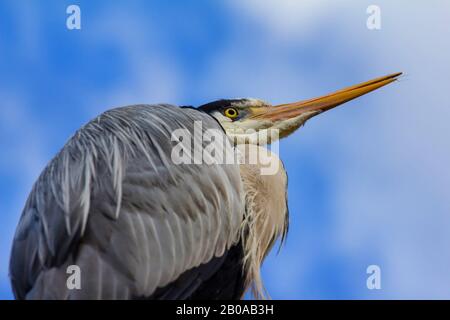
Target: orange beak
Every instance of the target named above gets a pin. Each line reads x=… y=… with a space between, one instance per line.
x=312 y=107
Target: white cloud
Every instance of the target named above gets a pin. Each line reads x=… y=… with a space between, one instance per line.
x=390 y=183
x=288 y=19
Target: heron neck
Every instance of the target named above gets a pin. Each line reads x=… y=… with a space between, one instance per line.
x=266 y=209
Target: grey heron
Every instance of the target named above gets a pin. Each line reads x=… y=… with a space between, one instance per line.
x=138 y=226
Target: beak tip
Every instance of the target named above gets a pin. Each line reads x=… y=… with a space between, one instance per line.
x=396 y=75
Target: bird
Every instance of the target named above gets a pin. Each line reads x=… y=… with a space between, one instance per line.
x=138 y=225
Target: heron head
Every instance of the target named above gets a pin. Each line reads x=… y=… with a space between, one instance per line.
x=242 y=118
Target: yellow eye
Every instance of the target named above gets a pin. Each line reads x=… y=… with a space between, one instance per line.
x=231 y=113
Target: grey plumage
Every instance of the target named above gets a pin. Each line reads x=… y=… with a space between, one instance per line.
x=113 y=203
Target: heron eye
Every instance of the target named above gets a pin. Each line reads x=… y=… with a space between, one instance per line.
x=231 y=113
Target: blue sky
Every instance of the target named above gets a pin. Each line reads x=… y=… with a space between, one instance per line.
x=368 y=182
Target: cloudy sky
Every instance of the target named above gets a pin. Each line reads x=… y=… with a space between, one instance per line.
x=368 y=182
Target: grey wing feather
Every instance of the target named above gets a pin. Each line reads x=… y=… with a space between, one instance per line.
x=114 y=203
